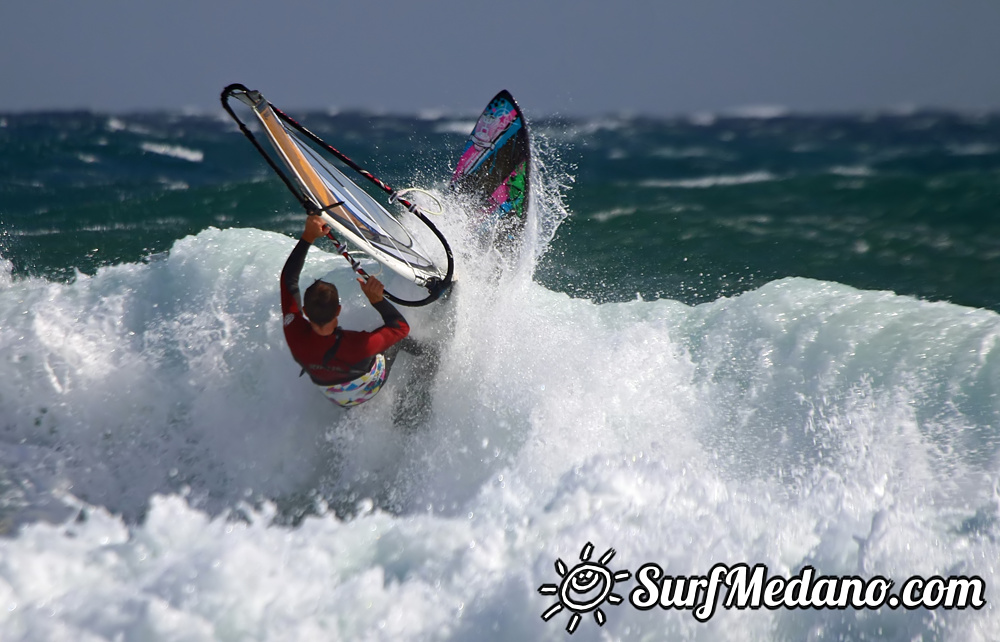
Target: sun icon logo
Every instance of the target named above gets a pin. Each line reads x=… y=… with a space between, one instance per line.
x=584 y=588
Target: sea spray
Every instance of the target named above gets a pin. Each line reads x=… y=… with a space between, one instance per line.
x=165 y=473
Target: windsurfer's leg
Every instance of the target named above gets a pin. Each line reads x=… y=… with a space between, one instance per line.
x=413 y=399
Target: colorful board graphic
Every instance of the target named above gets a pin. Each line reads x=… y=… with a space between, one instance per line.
x=495 y=170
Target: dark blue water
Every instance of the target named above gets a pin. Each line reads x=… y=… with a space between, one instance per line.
x=689 y=209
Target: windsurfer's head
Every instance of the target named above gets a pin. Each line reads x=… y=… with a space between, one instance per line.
x=321 y=303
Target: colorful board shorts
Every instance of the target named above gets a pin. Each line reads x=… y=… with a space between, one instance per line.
x=360 y=390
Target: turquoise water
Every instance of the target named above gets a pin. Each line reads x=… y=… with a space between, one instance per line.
x=731 y=340
x=686 y=208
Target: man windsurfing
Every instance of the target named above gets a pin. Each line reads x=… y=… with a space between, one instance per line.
x=349 y=366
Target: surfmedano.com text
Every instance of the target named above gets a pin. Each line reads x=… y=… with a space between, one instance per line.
x=748 y=588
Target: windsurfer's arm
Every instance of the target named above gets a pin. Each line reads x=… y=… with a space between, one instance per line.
x=392 y=319
x=315 y=228
x=291 y=300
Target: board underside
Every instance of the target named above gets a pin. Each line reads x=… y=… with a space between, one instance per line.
x=494 y=172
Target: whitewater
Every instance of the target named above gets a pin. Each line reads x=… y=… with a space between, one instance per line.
x=166 y=475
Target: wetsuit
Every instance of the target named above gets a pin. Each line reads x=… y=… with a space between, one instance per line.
x=348 y=365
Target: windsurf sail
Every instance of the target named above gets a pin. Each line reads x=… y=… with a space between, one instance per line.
x=495 y=168
x=302 y=160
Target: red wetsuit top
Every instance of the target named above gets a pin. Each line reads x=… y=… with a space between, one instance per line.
x=343 y=355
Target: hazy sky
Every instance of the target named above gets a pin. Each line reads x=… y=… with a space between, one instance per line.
x=555 y=56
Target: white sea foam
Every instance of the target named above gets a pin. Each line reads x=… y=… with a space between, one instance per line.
x=171 y=184
x=607 y=215
x=681 y=152
x=759 y=112
x=591 y=127
x=156 y=440
x=6 y=272
x=703 y=119
x=973 y=149
x=463 y=127
x=710 y=181
x=852 y=170
x=174 y=151
x=436 y=113
x=114 y=124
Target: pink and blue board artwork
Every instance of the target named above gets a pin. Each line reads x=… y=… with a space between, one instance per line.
x=494 y=170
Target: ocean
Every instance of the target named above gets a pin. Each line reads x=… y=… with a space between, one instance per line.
x=747 y=338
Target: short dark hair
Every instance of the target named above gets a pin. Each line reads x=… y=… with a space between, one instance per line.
x=321 y=303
